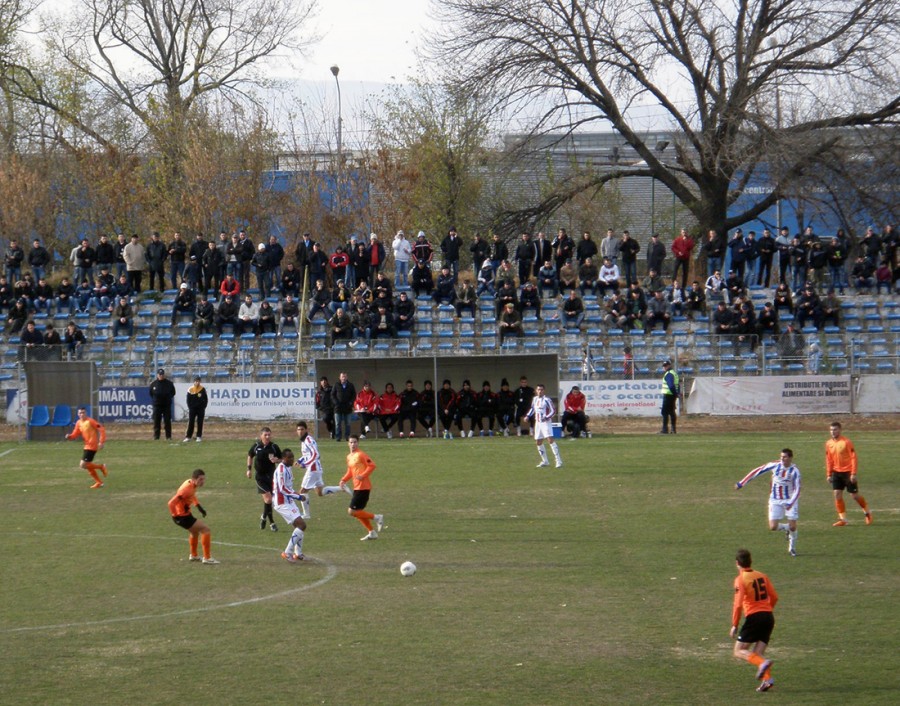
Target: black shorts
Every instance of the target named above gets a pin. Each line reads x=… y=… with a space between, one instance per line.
x=757 y=628
x=88 y=455
x=841 y=481
x=186 y=521
x=360 y=499
x=263 y=484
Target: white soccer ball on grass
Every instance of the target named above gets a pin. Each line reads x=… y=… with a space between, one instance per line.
x=407 y=568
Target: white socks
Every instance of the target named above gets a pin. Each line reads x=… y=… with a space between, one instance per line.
x=295 y=542
x=331 y=489
x=555 y=449
x=542 y=453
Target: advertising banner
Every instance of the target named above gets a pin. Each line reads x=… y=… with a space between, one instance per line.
x=822 y=394
x=878 y=394
x=124 y=404
x=294 y=400
x=625 y=398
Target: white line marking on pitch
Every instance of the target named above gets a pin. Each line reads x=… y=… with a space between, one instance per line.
x=331 y=573
x=8 y=451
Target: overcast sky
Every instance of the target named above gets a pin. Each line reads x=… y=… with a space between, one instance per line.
x=370 y=40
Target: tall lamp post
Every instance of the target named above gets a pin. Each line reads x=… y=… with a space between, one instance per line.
x=660 y=148
x=335 y=70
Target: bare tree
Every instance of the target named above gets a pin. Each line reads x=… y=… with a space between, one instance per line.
x=430 y=141
x=158 y=61
x=746 y=86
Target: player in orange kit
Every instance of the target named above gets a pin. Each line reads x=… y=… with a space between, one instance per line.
x=359 y=468
x=840 y=470
x=755 y=597
x=94 y=435
x=180 y=507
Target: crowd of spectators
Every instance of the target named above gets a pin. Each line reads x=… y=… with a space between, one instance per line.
x=541 y=277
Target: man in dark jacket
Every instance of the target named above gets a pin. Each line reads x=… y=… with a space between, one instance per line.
x=162 y=392
x=197 y=400
x=157 y=253
x=325 y=404
x=343 y=394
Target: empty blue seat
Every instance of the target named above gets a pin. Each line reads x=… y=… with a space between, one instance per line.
x=40 y=416
x=62 y=416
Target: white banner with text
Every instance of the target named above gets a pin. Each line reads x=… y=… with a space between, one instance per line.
x=820 y=394
x=626 y=398
x=293 y=400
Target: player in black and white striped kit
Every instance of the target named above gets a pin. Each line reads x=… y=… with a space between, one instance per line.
x=541 y=413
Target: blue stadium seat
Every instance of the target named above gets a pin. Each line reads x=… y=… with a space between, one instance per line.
x=62 y=416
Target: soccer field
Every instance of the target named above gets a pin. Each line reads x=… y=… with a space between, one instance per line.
x=608 y=581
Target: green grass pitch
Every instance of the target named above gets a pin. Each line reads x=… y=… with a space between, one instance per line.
x=605 y=582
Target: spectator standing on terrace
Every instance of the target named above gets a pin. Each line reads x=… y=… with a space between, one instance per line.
x=135 y=256
x=375 y=254
x=499 y=252
x=628 y=251
x=177 y=250
x=656 y=253
x=682 y=248
x=783 y=248
x=38 y=259
x=480 y=250
x=525 y=257
x=262 y=268
x=587 y=248
x=563 y=248
x=156 y=254
x=402 y=254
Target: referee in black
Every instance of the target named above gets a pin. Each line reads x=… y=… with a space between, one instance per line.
x=263 y=457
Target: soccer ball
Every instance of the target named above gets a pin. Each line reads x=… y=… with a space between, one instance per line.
x=407 y=568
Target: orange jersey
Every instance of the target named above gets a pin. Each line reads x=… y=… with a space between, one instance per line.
x=92 y=431
x=840 y=456
x=753 y=593
x=181 y=502
x=359 y=468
